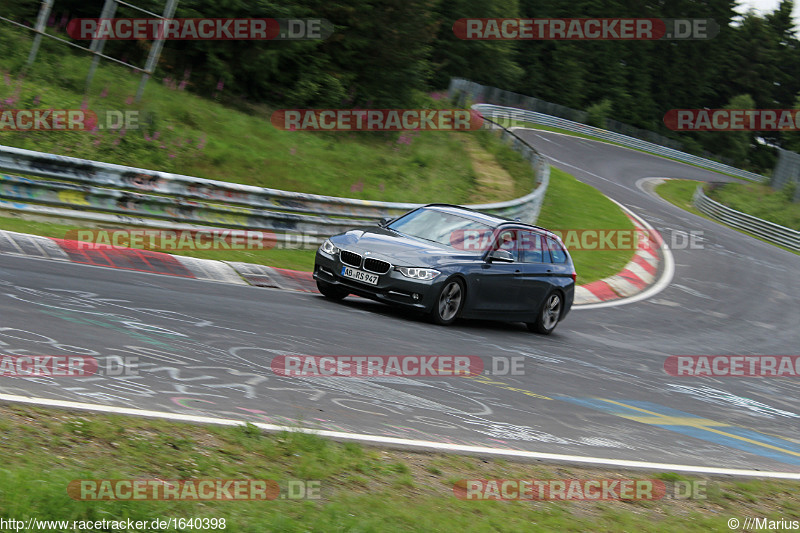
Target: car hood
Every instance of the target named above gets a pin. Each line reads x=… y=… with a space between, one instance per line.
x=400 y=249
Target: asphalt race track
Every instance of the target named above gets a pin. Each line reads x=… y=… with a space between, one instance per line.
x=595 y=388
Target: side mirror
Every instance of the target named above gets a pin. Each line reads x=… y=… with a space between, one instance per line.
x=503 y=256
x=384 y=222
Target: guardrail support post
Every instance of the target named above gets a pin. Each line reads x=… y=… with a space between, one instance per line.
x=41 y=21
x=155 y=50
x=109 y=9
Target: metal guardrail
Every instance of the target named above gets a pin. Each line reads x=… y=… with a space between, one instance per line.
x=138 y=180
x=769 y=231
x=88 y=198
x=511 y=113
x=136 y=192
x=460 y=88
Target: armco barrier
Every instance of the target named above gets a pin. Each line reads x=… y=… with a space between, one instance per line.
x=98 y=174
x=87 y=198
x=511 y=113
x=769 y=231
x=108 y=188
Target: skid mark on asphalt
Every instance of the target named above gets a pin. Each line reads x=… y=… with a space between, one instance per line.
x=691 y=425
x=689 y=290
x=722 y=397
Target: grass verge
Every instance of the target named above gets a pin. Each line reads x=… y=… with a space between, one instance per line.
x=680 y=193
x=760 y=201
x=360 y=488
x=570 y=205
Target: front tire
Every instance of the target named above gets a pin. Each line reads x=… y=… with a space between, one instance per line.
x=549 y=315
x=449 y=302
x=331 y=291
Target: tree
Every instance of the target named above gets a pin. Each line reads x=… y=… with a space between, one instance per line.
x=488 y=62
x=598 y=113
x=787 y=53
x=732 y=145
x=791 y=140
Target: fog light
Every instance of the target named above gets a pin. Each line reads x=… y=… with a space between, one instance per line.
x=415 y=296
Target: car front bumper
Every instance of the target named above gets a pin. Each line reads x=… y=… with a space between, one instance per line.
x=392 y=288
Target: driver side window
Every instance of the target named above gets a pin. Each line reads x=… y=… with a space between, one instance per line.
x=507 y=241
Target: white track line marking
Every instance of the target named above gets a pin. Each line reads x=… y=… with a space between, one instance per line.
x=420 y=444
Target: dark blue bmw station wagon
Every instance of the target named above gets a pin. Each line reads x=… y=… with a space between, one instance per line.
x=449 y=262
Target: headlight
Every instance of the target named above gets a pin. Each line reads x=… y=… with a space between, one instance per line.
x=329 y=248
x=425 y=274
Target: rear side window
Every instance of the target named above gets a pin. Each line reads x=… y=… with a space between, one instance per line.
x=530 y=248
x=556 y=251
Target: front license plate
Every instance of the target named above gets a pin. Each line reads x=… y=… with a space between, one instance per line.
x=359 y=275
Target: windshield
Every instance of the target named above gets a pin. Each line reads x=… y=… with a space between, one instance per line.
x=444 y=228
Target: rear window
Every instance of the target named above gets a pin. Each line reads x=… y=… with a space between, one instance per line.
x=557 y=252
x=530 y=246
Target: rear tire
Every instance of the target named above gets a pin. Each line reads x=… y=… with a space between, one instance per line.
x=448 y=302
x=549 y=314
x=331 y=291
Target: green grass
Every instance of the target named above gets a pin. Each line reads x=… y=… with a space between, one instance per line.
x=361 y=489
x=509 y=160
x=570 y=204
x=202 y=137
x=680 y=193
x=760 y=201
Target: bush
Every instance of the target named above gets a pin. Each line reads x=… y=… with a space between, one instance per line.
x=598 y=112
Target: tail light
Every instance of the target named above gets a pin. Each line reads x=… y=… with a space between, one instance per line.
x=574 y=275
